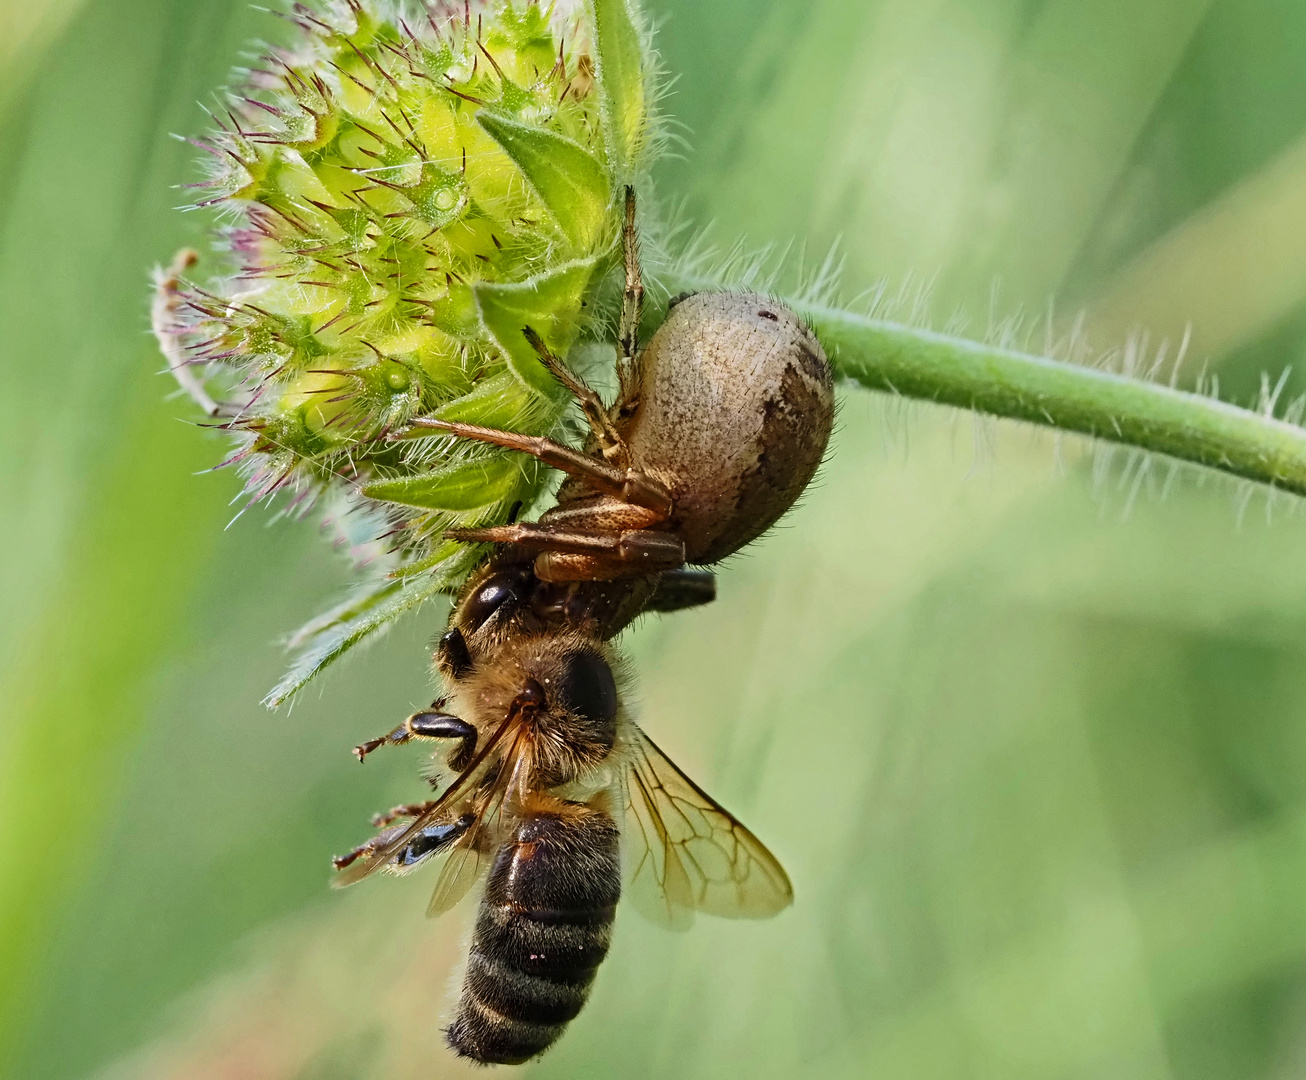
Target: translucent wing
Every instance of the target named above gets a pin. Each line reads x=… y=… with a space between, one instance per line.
x=475 y=849
x=462 y=870
x=684 y=853
x=457 y=799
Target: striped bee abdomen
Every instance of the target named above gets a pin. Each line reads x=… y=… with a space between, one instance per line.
x=543 y=929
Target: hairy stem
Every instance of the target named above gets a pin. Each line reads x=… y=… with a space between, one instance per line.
x=937 y=367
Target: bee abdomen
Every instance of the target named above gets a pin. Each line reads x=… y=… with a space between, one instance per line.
x=543 y=929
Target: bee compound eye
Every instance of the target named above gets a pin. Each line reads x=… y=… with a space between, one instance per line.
x=587 y=688
x=489 y=597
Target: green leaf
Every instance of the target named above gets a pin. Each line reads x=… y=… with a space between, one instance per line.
x=620 y=70
x=337 y=638
x=550 y=304
x=457 y=487
x=501 y=402
x=360 y=601
x=570 y=181
x=408 y=571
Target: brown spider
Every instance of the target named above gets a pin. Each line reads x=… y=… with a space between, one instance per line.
x=719 y=424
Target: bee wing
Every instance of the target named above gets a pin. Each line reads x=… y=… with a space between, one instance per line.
x=462 y=869
x=475 y=850
x=685 y=853
x=450 y=806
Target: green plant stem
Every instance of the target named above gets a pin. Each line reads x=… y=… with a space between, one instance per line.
x=922 y=364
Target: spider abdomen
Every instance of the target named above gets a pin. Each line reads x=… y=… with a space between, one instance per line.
x=735 y=409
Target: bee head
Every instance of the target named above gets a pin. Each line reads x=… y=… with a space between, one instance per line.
x=507 y=602
x=481 y=617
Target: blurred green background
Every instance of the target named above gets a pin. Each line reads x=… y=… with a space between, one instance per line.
x=1033 y=749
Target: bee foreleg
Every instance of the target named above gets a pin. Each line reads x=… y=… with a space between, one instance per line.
x=428 y=724
x=438 y=725
x=397 y=737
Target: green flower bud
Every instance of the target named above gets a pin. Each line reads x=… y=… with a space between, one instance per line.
x=401 y=194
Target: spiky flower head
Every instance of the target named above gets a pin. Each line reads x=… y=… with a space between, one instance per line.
x=400 y=193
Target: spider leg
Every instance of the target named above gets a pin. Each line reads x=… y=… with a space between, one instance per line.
x=628 y=485
x=683 y=588
x=632 y=308
x=628 y=553
x=632 y=297
x=612 y=445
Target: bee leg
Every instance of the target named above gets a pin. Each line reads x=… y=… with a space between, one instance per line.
x=628 y=485
x=453 y=657
x=431 y=840
x=428 y=724
x=397 y=737
x=406 y=810
x=426 y=842
x=438 y=725
x=611 y=444
x=341 y=861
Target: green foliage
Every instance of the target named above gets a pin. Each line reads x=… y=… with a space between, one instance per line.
x=570 y=181
x=536 y=302
x=624 y=72
x=330 y=636
x=400 y=197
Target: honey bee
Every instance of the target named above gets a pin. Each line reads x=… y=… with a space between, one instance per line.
x=718 y=427
x=545 y=762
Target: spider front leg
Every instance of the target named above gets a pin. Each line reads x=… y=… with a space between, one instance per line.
x=163 y=323
x=683 y=588
x=611 y=444
x=632 y=301
x=629 y=485
x=571 y=552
